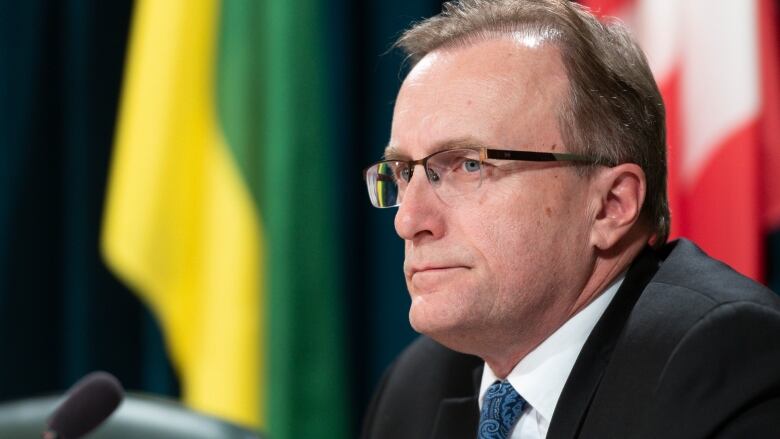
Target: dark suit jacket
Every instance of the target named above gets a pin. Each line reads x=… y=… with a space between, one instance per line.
x=688 y=348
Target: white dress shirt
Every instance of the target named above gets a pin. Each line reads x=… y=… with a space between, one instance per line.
x=539 y=377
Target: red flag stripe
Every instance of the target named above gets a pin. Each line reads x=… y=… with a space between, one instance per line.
x=723 y=207
x=670 y=90
x=770 y=109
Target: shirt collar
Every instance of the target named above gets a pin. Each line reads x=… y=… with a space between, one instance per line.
x=540 y=376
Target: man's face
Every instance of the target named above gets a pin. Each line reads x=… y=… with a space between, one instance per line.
x=506 y=261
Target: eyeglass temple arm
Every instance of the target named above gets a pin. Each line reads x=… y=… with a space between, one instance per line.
x=534 y=156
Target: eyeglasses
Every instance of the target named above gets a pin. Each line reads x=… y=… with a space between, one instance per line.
x=452 y=172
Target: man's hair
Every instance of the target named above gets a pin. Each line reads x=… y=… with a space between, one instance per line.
x=613 y=112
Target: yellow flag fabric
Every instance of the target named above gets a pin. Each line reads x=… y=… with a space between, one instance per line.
x=180 y=224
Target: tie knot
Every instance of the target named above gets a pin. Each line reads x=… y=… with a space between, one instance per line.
x=501 y=408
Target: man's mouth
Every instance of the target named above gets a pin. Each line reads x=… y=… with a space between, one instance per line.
x=425 y=278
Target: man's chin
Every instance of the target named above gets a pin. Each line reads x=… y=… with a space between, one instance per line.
x=449 y=330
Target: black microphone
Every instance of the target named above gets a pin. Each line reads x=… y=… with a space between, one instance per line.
x=89 y=402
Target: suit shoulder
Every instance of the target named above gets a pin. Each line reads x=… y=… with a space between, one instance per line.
x=407 y=400
x=724 y=367
x=699 y=278
x=699 y=347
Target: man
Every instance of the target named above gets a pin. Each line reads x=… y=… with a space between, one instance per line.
x=527 y=162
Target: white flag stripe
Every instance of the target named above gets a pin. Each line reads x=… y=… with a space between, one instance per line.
x=659 y=33
x=720 y=82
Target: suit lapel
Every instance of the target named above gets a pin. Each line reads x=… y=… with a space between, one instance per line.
x=458 y=417
x=574 y=402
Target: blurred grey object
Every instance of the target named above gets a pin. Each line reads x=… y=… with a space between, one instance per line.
x=139 y=416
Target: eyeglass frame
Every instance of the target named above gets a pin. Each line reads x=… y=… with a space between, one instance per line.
x=488 y=153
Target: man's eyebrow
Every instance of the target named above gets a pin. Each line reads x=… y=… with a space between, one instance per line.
x=393 y=152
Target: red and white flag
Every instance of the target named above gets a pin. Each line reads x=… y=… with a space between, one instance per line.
x=715 y=62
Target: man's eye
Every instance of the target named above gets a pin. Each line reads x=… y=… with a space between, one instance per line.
x=405 y=174
x=471 y=165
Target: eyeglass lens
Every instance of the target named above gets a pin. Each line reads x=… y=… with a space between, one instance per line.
x=452 y=173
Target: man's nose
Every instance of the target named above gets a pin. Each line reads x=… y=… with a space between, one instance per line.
x=420 y=212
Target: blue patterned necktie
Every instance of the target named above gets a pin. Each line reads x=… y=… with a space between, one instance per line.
x=501 y=408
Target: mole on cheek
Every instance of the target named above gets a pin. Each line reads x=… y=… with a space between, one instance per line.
x=548 y=212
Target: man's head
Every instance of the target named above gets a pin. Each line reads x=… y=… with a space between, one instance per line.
x=499 y=268
x=613 y=110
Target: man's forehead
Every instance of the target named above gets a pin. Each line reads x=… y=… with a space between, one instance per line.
x=483 y=75
x=521 y=54
x=498 y=91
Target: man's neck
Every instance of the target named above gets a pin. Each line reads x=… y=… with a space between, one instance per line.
x=540 y=376
x=607 y=268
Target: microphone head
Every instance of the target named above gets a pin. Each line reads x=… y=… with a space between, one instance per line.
x=89 y=402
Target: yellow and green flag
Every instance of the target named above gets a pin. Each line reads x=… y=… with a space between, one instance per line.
x=218 y=208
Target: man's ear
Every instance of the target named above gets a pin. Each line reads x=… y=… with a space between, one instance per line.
x=618 y=194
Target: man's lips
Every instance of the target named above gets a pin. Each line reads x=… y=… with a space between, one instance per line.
x=432 y=268
x=417 y=268
x=428 y=279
